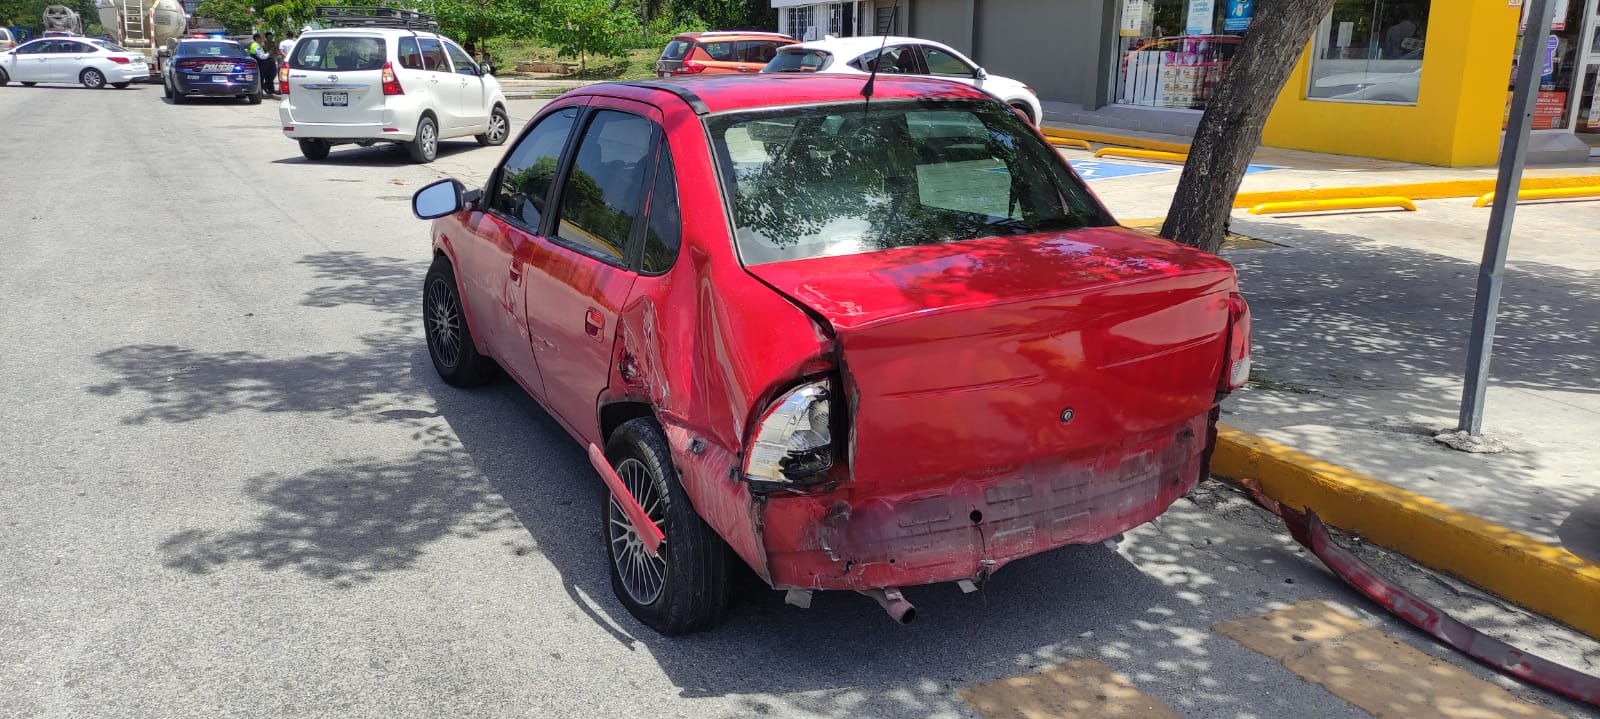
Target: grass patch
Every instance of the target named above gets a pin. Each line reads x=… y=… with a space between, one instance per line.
x=635 y=65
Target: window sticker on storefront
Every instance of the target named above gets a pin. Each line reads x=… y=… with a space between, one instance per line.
x=1370 y=51
x=1170 y=53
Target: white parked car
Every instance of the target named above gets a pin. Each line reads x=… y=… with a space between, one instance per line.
x=363 y=86
x=6 y=40
x=92 y=63
x=903 y=56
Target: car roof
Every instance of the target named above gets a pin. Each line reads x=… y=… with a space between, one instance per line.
x=853 y=46
x=183 y=40
x=722 y=93
x=734 y=35
x=384 y=31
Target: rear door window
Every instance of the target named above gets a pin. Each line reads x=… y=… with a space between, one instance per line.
x=761 y=51
x=530 y=170
x=339 y=53
x=409 y=55
x=895 y=59
x=433 y=58
x=664 y=224
x=604 y=192
x=720 y=51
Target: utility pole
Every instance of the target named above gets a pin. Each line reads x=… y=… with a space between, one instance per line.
x=1513 y=156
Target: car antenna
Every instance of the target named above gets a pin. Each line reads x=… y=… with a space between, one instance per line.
x=872 y=78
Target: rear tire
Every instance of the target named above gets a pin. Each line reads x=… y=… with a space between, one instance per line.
x=255 y=99
x=425 y=146
x=315 y=149
x=92 y=79
x=444 y=322
x=166 y=89
x=686 y=588
x=499 y=129
x=121 y=85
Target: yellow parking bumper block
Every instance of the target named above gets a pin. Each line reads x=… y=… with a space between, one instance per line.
x=1140 y=154
x=1549 y=193
x=1341 y=203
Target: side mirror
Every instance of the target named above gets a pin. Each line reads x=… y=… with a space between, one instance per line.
x=445 y=197
x=981 y=74
x=486 y=68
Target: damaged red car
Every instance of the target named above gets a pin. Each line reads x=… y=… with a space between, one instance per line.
x=856 y=337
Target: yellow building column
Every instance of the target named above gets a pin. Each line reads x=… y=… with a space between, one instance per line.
x=1461 y=99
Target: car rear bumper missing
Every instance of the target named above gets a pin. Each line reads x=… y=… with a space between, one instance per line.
x=842 y=540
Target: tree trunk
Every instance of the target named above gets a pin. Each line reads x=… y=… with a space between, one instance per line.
x=1230 y=129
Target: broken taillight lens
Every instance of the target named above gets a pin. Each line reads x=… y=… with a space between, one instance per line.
x=793 y=442
x=1237 y=371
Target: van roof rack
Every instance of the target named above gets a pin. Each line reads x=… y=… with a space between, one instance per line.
x=725 y=33
x=374 y=16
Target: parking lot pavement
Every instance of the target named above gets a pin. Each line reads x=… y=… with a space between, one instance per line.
x=233 y=486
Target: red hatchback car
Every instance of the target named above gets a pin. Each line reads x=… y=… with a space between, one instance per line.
x=694 y=274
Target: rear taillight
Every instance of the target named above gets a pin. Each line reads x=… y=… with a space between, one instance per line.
x=283 y=80
x=689 y=67
x=1237 y=371
x=118 y=59
x=190 y=64
x=793 y=444
x=391 y=84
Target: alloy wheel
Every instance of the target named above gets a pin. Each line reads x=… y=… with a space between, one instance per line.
x=643 y=576
x=444 y=323
x=497 y=128
x=430 y=140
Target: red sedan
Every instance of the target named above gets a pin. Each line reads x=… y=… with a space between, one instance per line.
x=693 y=274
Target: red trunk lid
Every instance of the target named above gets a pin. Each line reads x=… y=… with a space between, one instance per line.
x=970 y=359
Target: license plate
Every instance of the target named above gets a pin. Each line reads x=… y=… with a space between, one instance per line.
x=219 y=78
x=336 y=99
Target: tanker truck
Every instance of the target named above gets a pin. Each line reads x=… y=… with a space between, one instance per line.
x=61 y=20
x=143 y=26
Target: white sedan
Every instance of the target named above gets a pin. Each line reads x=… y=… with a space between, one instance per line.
x=92 y=63
x=903 y=56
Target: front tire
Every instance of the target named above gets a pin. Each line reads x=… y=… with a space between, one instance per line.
x=1026 y=112
x=315 y=149
x=444 y=321
x=499 y=129
x=92 y=79
x=425 y=146
x=686 y=587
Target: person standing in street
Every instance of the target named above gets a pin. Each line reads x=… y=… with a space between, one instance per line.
x=285 y=48
x=269 y=81
x=259 y=52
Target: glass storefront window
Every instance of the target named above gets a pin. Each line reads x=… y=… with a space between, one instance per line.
x=1370 y=51
x=1172 y=53
x=1561 y=76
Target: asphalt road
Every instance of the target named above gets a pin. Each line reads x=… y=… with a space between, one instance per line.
x=231 y=485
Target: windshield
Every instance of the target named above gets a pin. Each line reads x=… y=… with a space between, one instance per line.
x=797 y=60
x=338 y=53
x=839 y=180
x=209 y=49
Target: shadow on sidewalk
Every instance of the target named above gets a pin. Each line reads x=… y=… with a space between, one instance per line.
x=1360 y=350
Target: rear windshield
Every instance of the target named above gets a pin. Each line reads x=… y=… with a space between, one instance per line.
x=339 y=53
x=210 y=49
x=109 y=45
x=677 y=50
x=841 y=179
x=796 y=60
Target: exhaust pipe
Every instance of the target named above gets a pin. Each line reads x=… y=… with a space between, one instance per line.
x=892 y=602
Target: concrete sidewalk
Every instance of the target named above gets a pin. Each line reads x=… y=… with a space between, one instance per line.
x=1361 y=325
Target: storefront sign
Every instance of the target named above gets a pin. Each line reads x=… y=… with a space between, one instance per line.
x=1548 y=109
x=1550 y=45
x=1239 y=14
x=1133 y=12
x=1201 y=16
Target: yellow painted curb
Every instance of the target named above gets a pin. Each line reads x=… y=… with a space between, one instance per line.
x=1072 y=142
x=1550 y=193
x=1415 y=190
x=1546 y=579
x=1106 y=138
x=1141 y=154
x=1340 y=203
